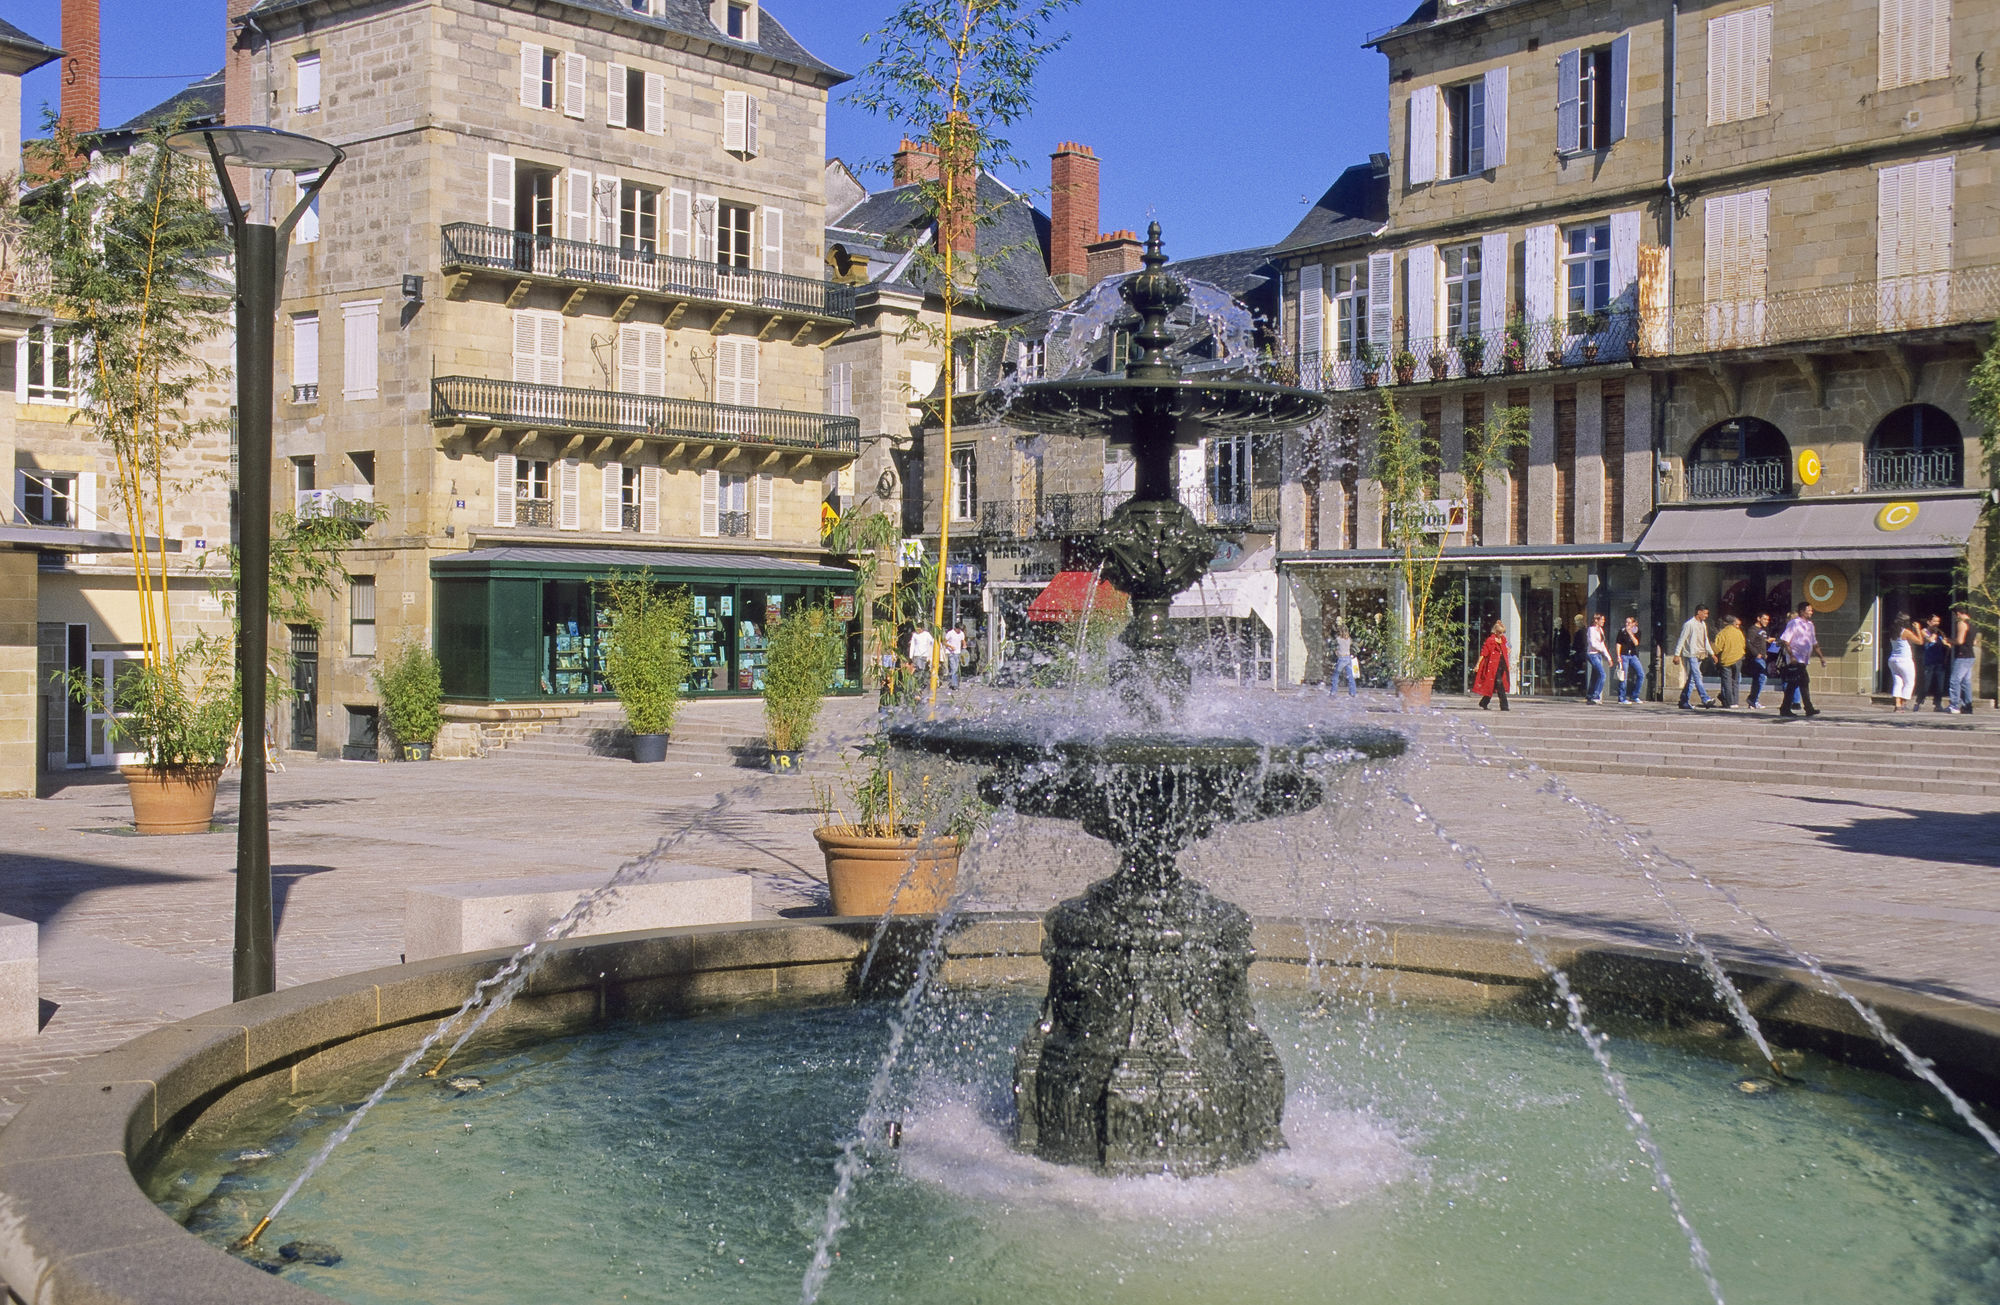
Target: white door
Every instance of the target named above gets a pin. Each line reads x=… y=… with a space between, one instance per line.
x=110 y=674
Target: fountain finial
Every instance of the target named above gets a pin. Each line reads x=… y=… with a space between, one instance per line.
x=1153 y=294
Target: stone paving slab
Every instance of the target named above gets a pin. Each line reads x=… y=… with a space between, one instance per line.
x=137 y=932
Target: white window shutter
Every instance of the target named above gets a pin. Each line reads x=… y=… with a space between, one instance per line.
x=527 y=347
x=359 y=344
x=753 y=120
x=653 y=361
x=656 y=104
x=1538 y=283
x=1495 y=270
x=1569 y=101
x=649 y=500
x=20 y=490
x=1381 y=299
x=760 y=522
x=86 y=502
x=500 y=191
x=503 y=489
x=1931 y=248
x=774 y=240
x=1721 y=35
x=614 y=94
x=1621 y=80
x=551 y=334
x=1422 y=142
x=20 y=347
x=1718 y=220
x=1422 y=265
x=711 y=498
x=746 y=372
x=606 y=210
x=680 y=218
x=576 y=72
x=1759 y=52
x=735 y=120
x=569 y=494
x=1312 y=321
x=725 y=369
x=1625 y=261
x=631 y=351
x=1496 y=117
x=305 y=349
x=704 y=228
x=614 y=496
x=531 y=74
x=578 y=228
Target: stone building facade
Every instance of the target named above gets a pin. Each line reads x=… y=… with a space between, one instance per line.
x=565 y=293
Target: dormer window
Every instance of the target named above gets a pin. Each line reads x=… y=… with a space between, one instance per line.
x=736 y=19
x=739 y=22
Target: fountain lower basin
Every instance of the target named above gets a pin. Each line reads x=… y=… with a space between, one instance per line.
x=78 y=1227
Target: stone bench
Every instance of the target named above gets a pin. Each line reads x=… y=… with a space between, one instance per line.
x=446 y=919
x=20 y=979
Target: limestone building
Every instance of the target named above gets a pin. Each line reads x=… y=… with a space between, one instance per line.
x=559 y=313
x=1724 y=256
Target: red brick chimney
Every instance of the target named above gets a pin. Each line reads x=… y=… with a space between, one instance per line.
x=238 y=104
x=1112 y=253
x=915 y=161
x=1072 y=216
x=82 y=65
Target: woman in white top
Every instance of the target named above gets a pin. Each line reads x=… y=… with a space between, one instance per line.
x=1903 y=661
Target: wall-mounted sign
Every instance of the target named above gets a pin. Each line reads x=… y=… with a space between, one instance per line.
x=1825 y=587
x=912 y=553
x=1894 y=516
x=1809 y=466
x=1439 y=516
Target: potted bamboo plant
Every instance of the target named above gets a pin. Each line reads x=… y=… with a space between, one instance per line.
x=1472 y=353
x=1371 y=365
x=805 y=653
x=412 y=689
x=892 y=842
x=181 y=713
x=646 y=658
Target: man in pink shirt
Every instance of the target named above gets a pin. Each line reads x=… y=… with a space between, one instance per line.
x=1802 y=641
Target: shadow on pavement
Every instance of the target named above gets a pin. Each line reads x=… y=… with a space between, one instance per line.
x=40 y=888
x=1946 y=837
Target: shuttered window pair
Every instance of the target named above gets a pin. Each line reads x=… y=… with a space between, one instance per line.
x=737 y=506
x=631 y=498
x=1463 y=126
x=1591 y=90
x=553 y=79
x=1913 y=239
x=742 y=123
x=840 y=389
x=1739 y=66
x=525 y=489
x=635 y=99
x=1915 y=42
x=1587 y=267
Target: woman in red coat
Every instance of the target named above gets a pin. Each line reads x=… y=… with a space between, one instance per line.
x=1490 y=678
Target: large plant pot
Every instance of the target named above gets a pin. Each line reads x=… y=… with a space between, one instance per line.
x=863 y=873
x=783 y=761
x=1415 y=693
x=416 y=752
x=649 y=747
x=175 y=800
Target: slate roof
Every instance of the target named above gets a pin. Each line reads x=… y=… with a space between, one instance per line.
x=689 y=17
x=1354 y=206
x=1013 y=247
x=14 y=38
x=1431 y=12
x=200 y=102
x=1240 y=272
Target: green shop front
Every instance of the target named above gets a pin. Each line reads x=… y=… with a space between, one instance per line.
x=523 y=624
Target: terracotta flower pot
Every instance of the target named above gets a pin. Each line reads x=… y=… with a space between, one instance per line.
x=1415 y=693
x=174 y=800
x=864 y=872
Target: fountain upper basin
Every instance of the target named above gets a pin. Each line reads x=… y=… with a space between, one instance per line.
x=1112 y=407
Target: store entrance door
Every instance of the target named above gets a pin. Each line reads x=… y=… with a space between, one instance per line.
x=305 y=688
x=111 y=676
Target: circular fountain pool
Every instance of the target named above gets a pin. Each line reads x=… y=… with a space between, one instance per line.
x=1435 y=1155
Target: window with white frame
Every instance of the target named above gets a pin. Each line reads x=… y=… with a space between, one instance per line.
x=531 y=480
x=305 y=75
x=541 y=76
x=360 y=322
x=840 y=389
x=1462 y=279
x=1229 y=470
x=47 y=498
x=964 y=483
x=45 y=367
x=742 y=123
x=1739 y=65
x=306 y=231
x=1465 y=126
x=305 y=474
x=732 y=235
x=1586 y=270
x=638 y=219
x=628 y=487
x=732 y=505
x=305 y=357
x=736 y=22
x=1915 y=42
x=1595 y=99
x=361 y=616
x=1030 y=359
x=1350 y=310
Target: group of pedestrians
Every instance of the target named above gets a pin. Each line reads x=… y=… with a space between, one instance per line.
x=1928 y=660
x=1755 y=653
x=911 y=674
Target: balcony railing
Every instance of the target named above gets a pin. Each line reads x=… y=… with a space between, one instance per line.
x=476 y=400
x=468 y=245
x=733 y=525
x=628 y=516
x=1499 y=351
x=1754 y=478
x=1058 y=516
x=1916 y=469
x=535 y=512
x=1856 y=308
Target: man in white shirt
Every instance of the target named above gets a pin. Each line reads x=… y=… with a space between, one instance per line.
x=1801 y=639
x=922 y=645
x=954 y=653
x=1693 y=649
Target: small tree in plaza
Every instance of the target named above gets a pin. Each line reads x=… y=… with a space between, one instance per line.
x=646 y=657
x=1979 y=570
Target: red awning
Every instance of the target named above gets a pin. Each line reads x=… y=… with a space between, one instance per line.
x=1069 y=597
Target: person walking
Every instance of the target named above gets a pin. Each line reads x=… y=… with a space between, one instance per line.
x=1693 y=649
x=1964 y=657
x=922 y=644
x=1730 y=648
x=1903 y=648
x=1489 y=678
x=1630 y=661
x=954 y=653
x=1597 y=653
x=1801 y=640
x=1345 y=664
x=1935 y=668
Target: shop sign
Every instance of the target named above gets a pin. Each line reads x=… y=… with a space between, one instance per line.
x=911 y=553
x=1826 y=587
x=1809 y=466
x=1895 y=516
x=1440 y=516
x=843 y=607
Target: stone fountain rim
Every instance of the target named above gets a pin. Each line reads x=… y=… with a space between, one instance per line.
x=76 y=1227
x=1007 y=742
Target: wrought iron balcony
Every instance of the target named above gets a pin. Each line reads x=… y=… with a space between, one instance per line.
x=732 y=525
x=1579 y=340
x=471 y=247
x=477 y=401
x=1752 y=478
x=1254 y=509
x=1916 y=469
x=628 y=516
x=535 y=512
x=1878 y=306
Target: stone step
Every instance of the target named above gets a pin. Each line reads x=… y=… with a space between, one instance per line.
x=1803 y=742
x=1869 y=780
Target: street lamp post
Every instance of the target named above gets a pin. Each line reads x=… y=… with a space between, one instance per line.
x=259 y=265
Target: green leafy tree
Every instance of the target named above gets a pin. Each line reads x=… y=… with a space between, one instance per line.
x=806 y=651
x=646 y=657
x=957 y=75
x=1979 y=570
x=412 y=689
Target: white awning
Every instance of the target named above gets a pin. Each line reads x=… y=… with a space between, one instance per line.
x=1812 y=530
x=1238 y=595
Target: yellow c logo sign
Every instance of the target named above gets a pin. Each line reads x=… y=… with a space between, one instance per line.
x=1894 y=516
x=1809 y=466
x=1826 y=587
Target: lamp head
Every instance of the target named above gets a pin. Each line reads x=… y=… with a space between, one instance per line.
x=265 y=148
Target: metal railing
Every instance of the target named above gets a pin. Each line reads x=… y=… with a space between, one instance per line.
x=305 y=393
x=628 y=516
x=1256 y=510
x=535 y=512
x=1916 y=469
x=1753 y=478
x=733 y=525
x=469 y=245
x=1856 y=308
x=1058 y=516
x=478 y=400
x=1579 y=340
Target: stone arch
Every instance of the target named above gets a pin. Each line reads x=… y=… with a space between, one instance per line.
x=1916 y=446
x=1740 y=457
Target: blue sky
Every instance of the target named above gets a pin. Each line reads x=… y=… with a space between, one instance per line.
x=1215 y=116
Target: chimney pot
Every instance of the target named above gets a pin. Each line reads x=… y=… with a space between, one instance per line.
x=1073 y=200
x=82 y=65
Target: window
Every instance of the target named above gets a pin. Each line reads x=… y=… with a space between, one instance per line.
x=737 y=25
x=1031 y=359
x=45 y=368
x=736 y=370
x=306 y=75
x=540 y=75
x=642 y=358
x=361 y=616
x=1734 y=266
x=628 y=489
x=531 y=480
x=1229 y=470
x=732 y=236
x=1461 y=291
x=732 y=505
x=1915 y=42
x=1739 y=66
x=1593 y=115
x=307 y=230
x=305 y=357
x=1587 y=269
x=964 y=483
x=360 y=322
x=627 y=87
x=535 y=200
x=1913 y=240
x=638 y=220
x=1465 y=114
x=1121 y=349
x=305 y=477
x=840 y=389
x=48 y=498
x=740 y=123
x=538 y=347
x=1350 y=310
